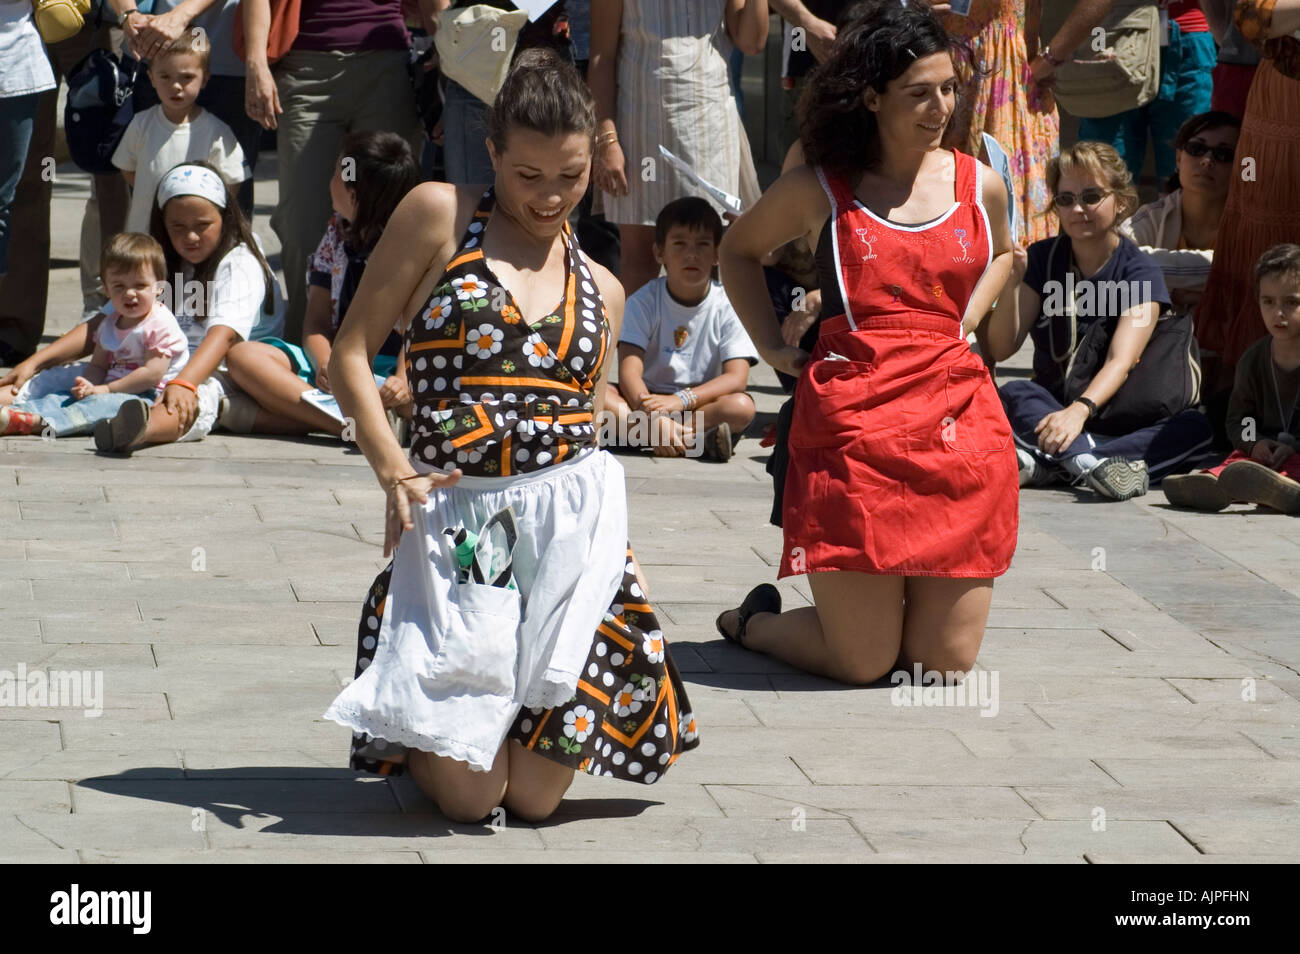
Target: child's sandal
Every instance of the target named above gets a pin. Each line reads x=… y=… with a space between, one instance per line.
x=17 y=423
x=764 y=598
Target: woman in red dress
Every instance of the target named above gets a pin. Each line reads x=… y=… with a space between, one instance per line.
x=901 y=497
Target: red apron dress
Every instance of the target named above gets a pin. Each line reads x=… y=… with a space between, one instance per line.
x=901 y=458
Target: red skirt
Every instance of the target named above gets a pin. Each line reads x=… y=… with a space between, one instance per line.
x=901 y=457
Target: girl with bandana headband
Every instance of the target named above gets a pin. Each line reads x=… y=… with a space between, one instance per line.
x=223 y=292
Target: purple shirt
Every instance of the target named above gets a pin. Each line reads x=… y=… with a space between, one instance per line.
x=351 y=25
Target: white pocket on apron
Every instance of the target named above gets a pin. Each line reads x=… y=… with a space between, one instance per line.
x=479 y=649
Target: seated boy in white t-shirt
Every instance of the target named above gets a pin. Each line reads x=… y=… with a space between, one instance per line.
x=176 y=130
x=683 y=355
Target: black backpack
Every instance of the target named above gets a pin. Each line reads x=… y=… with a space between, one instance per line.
x=99 y=109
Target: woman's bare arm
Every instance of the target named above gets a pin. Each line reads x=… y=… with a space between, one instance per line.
x=1134 y=330
x=612 y=294
x=995 y=200
x=795 y=205
x=747 y=23
x=414 y=242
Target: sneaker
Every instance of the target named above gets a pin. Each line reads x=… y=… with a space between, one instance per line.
x=1033 y=472
x=717 y=443
x=1118 y=479
x=117 y=434
x=1198 y=491
x=1254 y=483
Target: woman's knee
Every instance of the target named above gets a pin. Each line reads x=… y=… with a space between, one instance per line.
x=862 y=669
x=532 y=805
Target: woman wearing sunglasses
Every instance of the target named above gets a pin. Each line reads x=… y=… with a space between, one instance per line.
x=1179 y=230
x=1059 y=289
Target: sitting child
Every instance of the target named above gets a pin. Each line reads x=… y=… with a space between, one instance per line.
x=1264 y=467
x=682 y=347
x=135 y=353
x=177 y=130
x=374 y=172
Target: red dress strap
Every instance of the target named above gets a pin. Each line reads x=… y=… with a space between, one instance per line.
x=967 y=175
x=837 y=190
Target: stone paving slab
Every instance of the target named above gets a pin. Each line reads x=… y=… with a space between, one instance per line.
x=1147 y=661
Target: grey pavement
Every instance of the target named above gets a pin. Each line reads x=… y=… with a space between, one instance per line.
x=1148 y=666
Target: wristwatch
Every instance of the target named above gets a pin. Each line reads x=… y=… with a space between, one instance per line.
x=1090 y=404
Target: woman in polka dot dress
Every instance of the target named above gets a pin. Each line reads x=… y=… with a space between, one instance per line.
x=506 y=395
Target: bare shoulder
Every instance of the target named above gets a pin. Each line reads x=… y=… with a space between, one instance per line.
x=611 y=289
x=992 y=188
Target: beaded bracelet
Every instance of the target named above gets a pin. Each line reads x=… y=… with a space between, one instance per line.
x=184 y=384
x=687 y=397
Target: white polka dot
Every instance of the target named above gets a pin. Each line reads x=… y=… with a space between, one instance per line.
x=577 y=362
x=521 y=454
x=600 y=649
x=422 y=385
x=573 y=402
x=634 y=768
x=548 y=439
x=591 y=326
x=420 y=364
x=631 y=567
x=619 y=758
x=466 y=397
x=648 y=748
x=448 y=447
x=651 y=776
x=439 y=361
x=487 y=398
x=616 y=659
x=593 y=670
x=663 y=759
x=364 y=662
x=371 y=622
x=526 y=725
x=470 y=243
x=543 y=457
x=584 y=344
x=455 y=362
x=605 y=751
x=455 y=384
x=509 y=398
x=589 y=287
x=476 y=227
x=430 y=452
x=661 y=730
x=530 y=398
x=635 y=590
x=608 y=679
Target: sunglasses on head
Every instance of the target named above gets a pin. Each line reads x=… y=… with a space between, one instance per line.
x=1195 y=148
x=1089 y=197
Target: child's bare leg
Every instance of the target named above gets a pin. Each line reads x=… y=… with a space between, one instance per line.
x=264 y=374
x=164 y=428
x=7 y=395
x=735 y=410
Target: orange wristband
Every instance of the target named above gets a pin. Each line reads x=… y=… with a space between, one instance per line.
x=184 y=384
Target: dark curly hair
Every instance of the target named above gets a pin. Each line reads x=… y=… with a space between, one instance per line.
x=874 y=48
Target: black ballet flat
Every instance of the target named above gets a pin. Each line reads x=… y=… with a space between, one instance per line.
x=764 y=598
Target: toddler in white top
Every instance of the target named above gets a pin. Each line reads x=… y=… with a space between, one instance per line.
x=139 y=347
x=177 y=130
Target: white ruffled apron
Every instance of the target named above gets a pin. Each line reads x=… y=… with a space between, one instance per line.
x=455 y=661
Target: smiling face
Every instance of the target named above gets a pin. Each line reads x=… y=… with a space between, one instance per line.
x=1279 y=305
x=133 y=291
x=1080 y=221
x=177 y=79
x=915 y=108
x=540 y=179
x=194 y=227
x=1205 y=174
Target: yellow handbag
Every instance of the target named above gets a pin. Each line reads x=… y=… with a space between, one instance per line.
x=57 y=20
